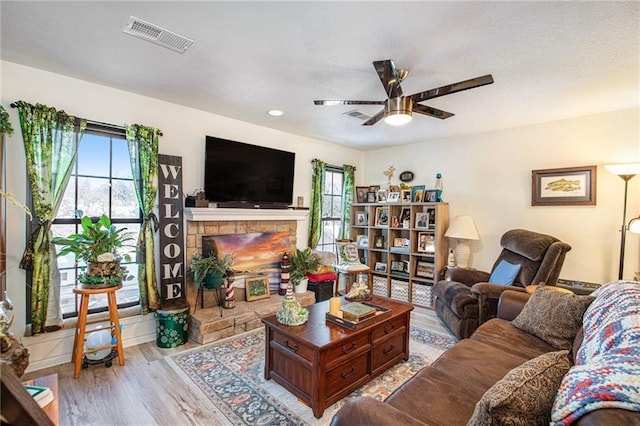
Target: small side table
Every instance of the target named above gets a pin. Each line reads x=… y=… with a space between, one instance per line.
x=114 y=323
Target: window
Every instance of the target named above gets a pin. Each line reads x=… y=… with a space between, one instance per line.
x=100 y=183
x=332 y=220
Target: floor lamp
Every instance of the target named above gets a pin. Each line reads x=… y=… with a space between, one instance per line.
x=626 y=172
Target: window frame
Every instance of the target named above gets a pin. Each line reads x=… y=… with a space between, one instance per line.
x=111 y=132
x=330 y=245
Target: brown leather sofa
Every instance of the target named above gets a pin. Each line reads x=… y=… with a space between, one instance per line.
x=446 y=392
x=466 y=300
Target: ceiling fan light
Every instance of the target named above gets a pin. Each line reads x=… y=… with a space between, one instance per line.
x=397 y=111
x=397 y=119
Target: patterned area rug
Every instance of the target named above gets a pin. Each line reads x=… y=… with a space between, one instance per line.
x=229 y=377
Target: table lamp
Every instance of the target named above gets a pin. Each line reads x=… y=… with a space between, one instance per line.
x=626 y=172
x=462 y=228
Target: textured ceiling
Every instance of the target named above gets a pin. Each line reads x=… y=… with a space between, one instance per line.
x=550 y=60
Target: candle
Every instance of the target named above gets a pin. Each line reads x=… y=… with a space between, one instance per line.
x=334 y=305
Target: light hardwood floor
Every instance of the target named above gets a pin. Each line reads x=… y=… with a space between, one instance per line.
x=147 y=391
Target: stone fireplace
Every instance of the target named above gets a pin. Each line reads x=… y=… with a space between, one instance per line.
x=211 y=324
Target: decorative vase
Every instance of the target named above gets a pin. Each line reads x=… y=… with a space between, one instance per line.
x=302 y=285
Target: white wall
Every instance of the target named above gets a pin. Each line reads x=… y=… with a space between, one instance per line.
x=184 y=132
x=488 y=176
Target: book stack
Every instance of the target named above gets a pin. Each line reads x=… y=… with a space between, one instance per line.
x=42 y=395
x=357 y=311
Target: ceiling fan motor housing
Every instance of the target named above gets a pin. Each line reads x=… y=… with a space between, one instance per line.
x=398 y=106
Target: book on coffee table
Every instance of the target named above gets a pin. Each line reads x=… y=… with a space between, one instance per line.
x=357 y=311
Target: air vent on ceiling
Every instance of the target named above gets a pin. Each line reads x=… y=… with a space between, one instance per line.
x=358 y=114
x=157 y=35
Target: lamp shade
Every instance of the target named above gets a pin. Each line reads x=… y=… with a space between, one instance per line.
x=462 y=228
x=626 y=170
x=634 y=225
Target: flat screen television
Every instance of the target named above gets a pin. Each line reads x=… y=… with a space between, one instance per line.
x=242 y=175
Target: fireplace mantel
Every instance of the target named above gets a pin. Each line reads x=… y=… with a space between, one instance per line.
x=203 y=214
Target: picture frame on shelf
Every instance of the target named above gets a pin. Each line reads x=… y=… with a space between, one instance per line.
x=382 y=216
x=361 y=218
x=569 y=186
x=393 y=197
x=422 y=220
x=426 y=243
x=378 y=242
x=381 y=196
x=432 y=218
x=371 y=197
x=394 y=188
x=417 y=193
x=397 y=242
x=395 y=222
x=397 y=266
x=361 y=194
x=362 y=241
x=374 y=188
x=430 y=196
x=380 y=267
x=405 y=195
x=257 y=288
x=425 y=269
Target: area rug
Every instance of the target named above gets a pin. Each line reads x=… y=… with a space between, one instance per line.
x=229 y=377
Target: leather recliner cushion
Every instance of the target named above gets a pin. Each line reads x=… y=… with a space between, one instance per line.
x=459 y=299
x=529 y=244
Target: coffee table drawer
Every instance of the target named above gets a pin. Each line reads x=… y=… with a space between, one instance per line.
x=339 y=378
x=338 y=354
x=293 y=346
x=394 y=326
x=387 y=351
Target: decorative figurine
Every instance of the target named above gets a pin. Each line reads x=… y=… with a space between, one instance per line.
x=284 y=274
x=292 y=312
x=229 y=297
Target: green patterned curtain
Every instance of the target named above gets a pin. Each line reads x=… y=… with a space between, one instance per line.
x=143 y=150
x=348 y=189
x=51 y=140
x=5 y=124
x=315 y=207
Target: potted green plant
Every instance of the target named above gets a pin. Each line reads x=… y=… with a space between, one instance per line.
x=209 y=271
x=97 y=245
x=302 y=261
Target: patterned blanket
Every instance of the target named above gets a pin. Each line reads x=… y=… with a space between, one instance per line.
x=607 y=370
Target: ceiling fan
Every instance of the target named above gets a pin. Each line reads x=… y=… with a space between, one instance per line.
x=398 y=108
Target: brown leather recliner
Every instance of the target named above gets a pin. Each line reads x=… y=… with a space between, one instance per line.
x=465 y=300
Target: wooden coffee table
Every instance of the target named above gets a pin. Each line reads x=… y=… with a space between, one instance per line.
x=321 y=363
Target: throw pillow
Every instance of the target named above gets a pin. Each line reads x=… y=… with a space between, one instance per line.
x=553 y=316
x=524 y=396
x=504 y=273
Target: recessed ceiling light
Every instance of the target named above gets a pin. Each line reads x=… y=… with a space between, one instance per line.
x=275 y=112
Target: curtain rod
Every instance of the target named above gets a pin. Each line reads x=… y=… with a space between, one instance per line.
x=95 y=123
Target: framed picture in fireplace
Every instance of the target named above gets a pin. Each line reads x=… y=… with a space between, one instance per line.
x=257 y=288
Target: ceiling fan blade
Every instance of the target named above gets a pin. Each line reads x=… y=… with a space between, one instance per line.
x=329 y=102
x=389 y=77
x=431 y=112
x=373 y=120
x=452 y=88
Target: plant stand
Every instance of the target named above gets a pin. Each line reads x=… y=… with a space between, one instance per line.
x=219 y=298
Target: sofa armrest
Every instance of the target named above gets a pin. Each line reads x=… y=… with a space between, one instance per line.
x=467 y=276
x=511 y=303
x=364 y=411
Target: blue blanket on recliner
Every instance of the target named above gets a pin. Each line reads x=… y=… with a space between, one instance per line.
x=607 y=370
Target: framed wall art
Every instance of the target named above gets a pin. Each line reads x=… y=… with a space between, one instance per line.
x=571 y=186
x=257 y=288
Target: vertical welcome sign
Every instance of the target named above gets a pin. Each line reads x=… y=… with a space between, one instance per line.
x=172 y=270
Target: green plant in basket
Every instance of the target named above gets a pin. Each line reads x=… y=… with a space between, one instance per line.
x=97 y=245
x=209 y=271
